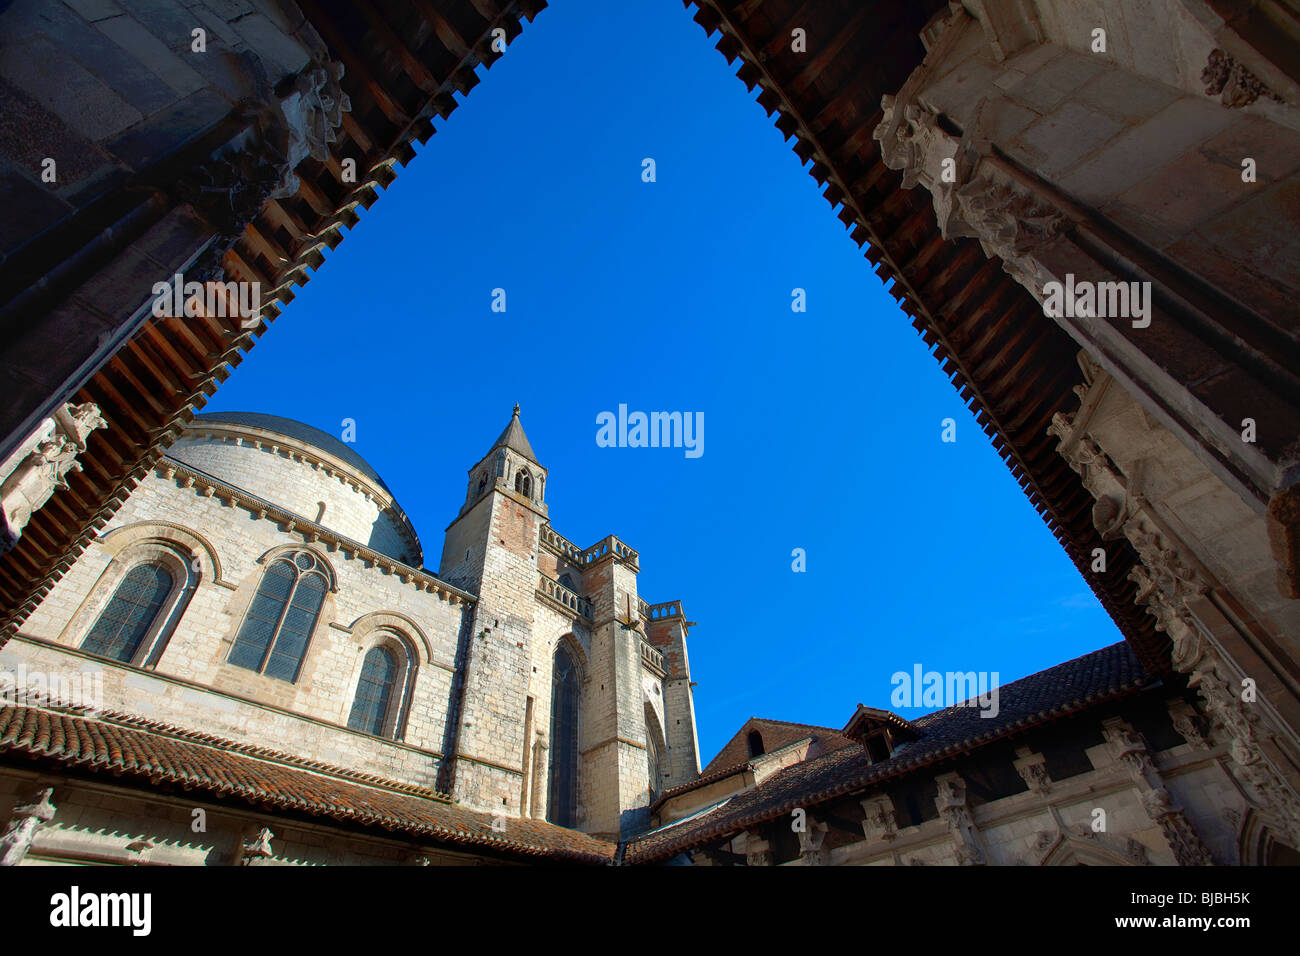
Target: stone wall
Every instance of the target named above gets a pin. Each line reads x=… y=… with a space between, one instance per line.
x=191 y=685
x=1097 y=791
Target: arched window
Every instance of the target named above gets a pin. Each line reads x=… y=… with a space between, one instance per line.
x=654 y=755
x=523 y=483
x=756 y=744
x=562 y=802
x=273 y=638
x=131 y=613
x=374 y=692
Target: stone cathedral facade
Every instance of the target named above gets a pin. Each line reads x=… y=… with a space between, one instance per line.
x=263 y=586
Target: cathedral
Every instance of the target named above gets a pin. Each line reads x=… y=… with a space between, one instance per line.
x=223 y=642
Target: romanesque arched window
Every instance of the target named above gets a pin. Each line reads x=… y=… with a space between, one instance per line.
x=275 y=633
x=562 y=802
x=756 y=744
x=131 y=613
x=523 y=483
x=374 y=698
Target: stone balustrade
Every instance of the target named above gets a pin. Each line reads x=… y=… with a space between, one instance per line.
x=558 y=592
x=561 y=545
x=611 y=545
x=652 y=656
x=658 y=612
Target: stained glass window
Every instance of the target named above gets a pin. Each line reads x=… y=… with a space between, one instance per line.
x=273 y=639
x=374 y=691
x=130 y=613
x=562 y=805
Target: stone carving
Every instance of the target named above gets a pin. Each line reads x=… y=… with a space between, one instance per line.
x=812 y=844
x=951 y=802
x=881 y=822
x=40 y=466
x=1188 y=723
x=1012 y=225
x=231 y=187
x=1032 y=768
x=1232 y=83
x=1009 y=222
x=23 y=825
x=1186 y=844
x=314 y=110
x=1166 y=582
x=258 y=848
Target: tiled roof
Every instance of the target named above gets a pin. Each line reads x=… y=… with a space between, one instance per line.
x=1064 y=689
x=131 y=747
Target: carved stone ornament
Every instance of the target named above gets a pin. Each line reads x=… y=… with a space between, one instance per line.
x=812 y=844
x=1166 y=582
x=258 y=848
x=881 y=823
x=1183 y=840
x=951 y=803
x=1010 y=223
x=23 y=825
x=1232 y=83
x=40 y=466
x=231 y=187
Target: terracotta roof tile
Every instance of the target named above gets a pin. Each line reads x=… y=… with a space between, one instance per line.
x=1066 y=688
x=134 y=747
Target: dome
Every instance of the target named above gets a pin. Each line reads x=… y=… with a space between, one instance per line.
x=305 y=471
x=301 y=431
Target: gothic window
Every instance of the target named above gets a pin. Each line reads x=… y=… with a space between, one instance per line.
x=654 y=755
x=374 y=695
x=523 y=483
x=562 y=803
x=482 y=482
x=275 y=633
x=130 y=613
x=756 y=744
x=567 y=581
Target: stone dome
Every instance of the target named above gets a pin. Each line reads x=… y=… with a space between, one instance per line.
x=303 y=470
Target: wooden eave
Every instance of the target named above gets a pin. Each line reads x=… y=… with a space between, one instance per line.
x=404 y=61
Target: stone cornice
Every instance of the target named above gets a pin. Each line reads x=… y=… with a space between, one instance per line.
x=186 y=476
x=302 y=450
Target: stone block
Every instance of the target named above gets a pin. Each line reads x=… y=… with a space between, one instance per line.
x=1134 y=154
x=138 y=41
x=80 y=99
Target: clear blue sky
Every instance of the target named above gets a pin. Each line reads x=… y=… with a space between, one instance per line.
x=822 y=430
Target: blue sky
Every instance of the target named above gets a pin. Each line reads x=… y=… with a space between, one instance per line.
x=822 y=429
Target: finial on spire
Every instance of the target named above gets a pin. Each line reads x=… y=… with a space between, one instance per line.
x=516 y=409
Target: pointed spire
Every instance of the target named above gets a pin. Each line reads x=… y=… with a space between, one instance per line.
x=515 y=439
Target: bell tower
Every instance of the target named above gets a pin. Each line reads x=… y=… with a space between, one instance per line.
x=491 y=550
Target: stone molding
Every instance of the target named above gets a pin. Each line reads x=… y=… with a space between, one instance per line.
x=1168 y=580
x=186 y=477
x=1131 y=750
